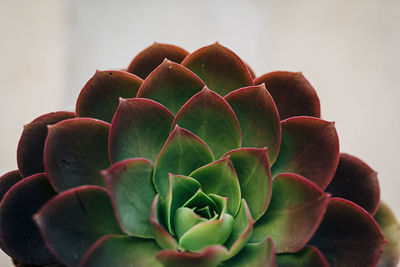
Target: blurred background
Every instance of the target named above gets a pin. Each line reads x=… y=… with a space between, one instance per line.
x=349 y=51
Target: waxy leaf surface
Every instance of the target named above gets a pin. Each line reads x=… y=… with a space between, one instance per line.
x=221 y=69
x=258 y=118
x=296 y=209
x=292 y=93
x=171 y=85
x=356 y=181
x=99 y=98
x=209 y=116
x=122 y=251
x=310 y=148
x=139 y=129
x=75 y=152
x=74 y=220
x=132 y=192
x=19 y=233
x=182 y=153
x=147 y=60
x=31 y=144
x=348 y=235
x=308 y=256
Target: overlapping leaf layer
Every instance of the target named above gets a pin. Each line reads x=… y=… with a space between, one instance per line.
x=187 y=159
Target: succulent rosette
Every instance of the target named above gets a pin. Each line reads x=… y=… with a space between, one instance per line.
x=190 y=160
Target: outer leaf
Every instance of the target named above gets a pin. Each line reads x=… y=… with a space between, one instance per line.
x=391 y=230
x=182 y=153
x=208 y=257
x=241 y=232
x=147 y=60
x=171 y=84
x=220 y=178
x=139 y=129
x=254 y=173
x=260 y=254
x=31 y=144
x=122 y=251
x=310 y=147
x=131 y=188
x=348 y=235
x=162 y=237
x=72 y=221
x=221 y=69
x=292 y=93
x=295 y=212
x=356 y=181
x=210 y=117
x=308 y=256
x=99 y=97
x=19 y=234
x=7 y=181
x=258 y=118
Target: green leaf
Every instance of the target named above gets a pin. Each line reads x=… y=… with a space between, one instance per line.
x=185 y=219
x=295 y=212
x=132 y=193
x=74 y=220
x=308 y=256
x=254 y=174
x=209 y=257
x=147 y=60
x=139 y=129
x=310 y=148
x=258 y=118
x=219 y=177
x=171 y=85
x=200 y=199
x=210 y=117
x=181 y=189
x=261 y=254
x=213 y=232
x=76 y=151
x=182 y=153
x=122 y=251
x=99 y=97
x=221 y=69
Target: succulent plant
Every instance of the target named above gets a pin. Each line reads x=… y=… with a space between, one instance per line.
x=190 y=160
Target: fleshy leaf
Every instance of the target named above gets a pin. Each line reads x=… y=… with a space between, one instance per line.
x=75 y=152
x=162 y=236
x=253 y=170
x=180 y=190
x=185 y=219
x=292 y=93
x=355 y=181
x=200 y=199
x=122 y=251
x=99 y=97
x=31 y=144
x=391 y=230
x=19 y=233
x=309 y=147
x=241 y=231
x=308 y=256
x=296 y=209
x=147 y=60
x=212 y=232
x=209 y=257
x=74 y=220
x=7 y=181
x=348 y=235
x=261 y=254
x=220 y=69
x=220 y=178
x=258 y=118
x=210 y=117
x=182 y=153
x=171 y=85
x=139 y=129
x=131 y=188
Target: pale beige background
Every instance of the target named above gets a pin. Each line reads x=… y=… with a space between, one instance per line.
x=349 y=50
